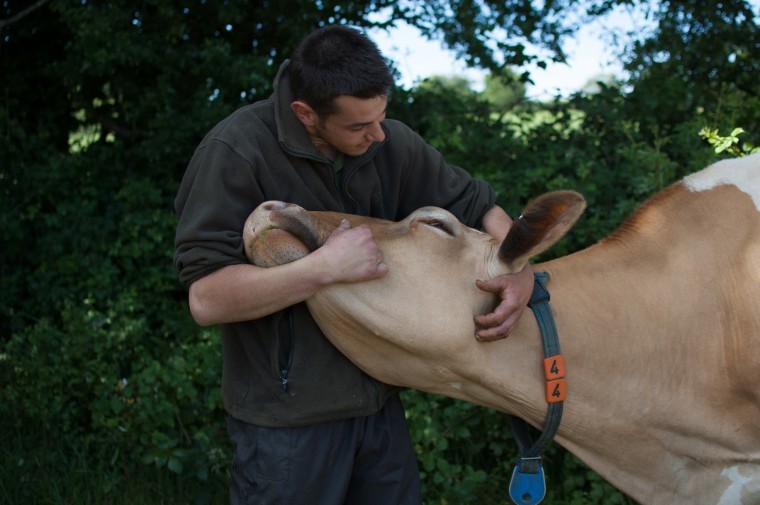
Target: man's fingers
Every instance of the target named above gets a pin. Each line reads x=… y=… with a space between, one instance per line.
x=499 y=323
x=491 y=335
x=495 y=318
x=494 y=327
x=490 y=286
x=487 y=333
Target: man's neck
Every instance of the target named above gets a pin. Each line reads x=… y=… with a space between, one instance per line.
x=324 y=147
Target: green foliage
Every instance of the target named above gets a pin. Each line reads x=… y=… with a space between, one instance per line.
x=579 y=485
x=466 y=455
x=729 y=144
x=40 y=470
x=464 y=451
x=99 y=377
x=108 y=390
x=504 y=90
x=704 y=59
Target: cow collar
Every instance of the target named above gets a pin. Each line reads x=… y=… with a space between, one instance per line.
x=528 y=485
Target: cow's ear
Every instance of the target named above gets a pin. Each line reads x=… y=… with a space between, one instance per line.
x=543 y=222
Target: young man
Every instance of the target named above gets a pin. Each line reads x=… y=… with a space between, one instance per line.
x=306 y=424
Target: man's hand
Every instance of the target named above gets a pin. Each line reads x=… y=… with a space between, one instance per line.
x=514 y=291
x=352 y=255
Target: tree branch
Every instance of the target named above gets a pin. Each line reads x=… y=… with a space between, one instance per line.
x=22 y=14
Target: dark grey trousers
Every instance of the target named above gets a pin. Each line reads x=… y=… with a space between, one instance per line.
x=360 y=461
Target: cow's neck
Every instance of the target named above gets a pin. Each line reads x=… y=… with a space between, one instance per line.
x=638 y=381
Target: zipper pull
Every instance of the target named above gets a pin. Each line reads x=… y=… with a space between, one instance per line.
x=284 y=379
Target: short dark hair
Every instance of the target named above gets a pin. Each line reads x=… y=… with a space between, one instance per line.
x=337 y=60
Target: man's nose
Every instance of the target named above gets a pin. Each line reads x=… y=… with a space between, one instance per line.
x=376 y=133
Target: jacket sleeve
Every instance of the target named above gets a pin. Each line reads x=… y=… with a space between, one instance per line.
x=429 y=180
x=215 y=197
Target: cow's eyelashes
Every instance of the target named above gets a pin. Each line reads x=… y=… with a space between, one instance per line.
x=438 y=224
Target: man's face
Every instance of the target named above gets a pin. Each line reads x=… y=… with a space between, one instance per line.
x=356 y=124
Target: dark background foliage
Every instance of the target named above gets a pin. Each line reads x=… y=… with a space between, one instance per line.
x=109 y=393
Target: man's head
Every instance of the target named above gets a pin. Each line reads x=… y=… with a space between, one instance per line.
x=337 y=60
x=340 y=84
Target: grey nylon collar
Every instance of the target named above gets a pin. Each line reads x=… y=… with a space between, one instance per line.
x=528 y=486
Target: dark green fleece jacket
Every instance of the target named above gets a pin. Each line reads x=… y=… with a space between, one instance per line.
x=280 y=370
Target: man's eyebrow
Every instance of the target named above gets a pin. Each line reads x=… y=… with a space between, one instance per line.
x=364 y=123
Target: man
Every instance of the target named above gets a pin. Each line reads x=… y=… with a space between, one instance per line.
x=306 y=424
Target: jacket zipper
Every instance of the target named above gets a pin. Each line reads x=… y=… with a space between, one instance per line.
x=344 y=195
x=349 y=202
x=284 y=371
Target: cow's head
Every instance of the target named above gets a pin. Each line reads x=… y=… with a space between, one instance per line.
x=277 y=233
x=422 y=310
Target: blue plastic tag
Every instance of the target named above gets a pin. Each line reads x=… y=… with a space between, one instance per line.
x=527 y=488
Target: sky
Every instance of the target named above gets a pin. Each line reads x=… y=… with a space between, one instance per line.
x=590 y=54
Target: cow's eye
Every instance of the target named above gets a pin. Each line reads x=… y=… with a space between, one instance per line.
x=439 y=225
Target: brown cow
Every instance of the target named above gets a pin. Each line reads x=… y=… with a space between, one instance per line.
x=659 y=324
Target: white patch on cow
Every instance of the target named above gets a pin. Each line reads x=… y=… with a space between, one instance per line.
x=733 y=494
x=744 y=173
x=456 y=385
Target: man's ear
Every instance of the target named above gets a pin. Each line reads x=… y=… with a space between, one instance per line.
x=304 y=113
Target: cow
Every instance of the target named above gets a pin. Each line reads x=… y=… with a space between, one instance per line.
x=659 y=325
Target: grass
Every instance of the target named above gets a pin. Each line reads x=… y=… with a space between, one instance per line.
x=51 y=475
